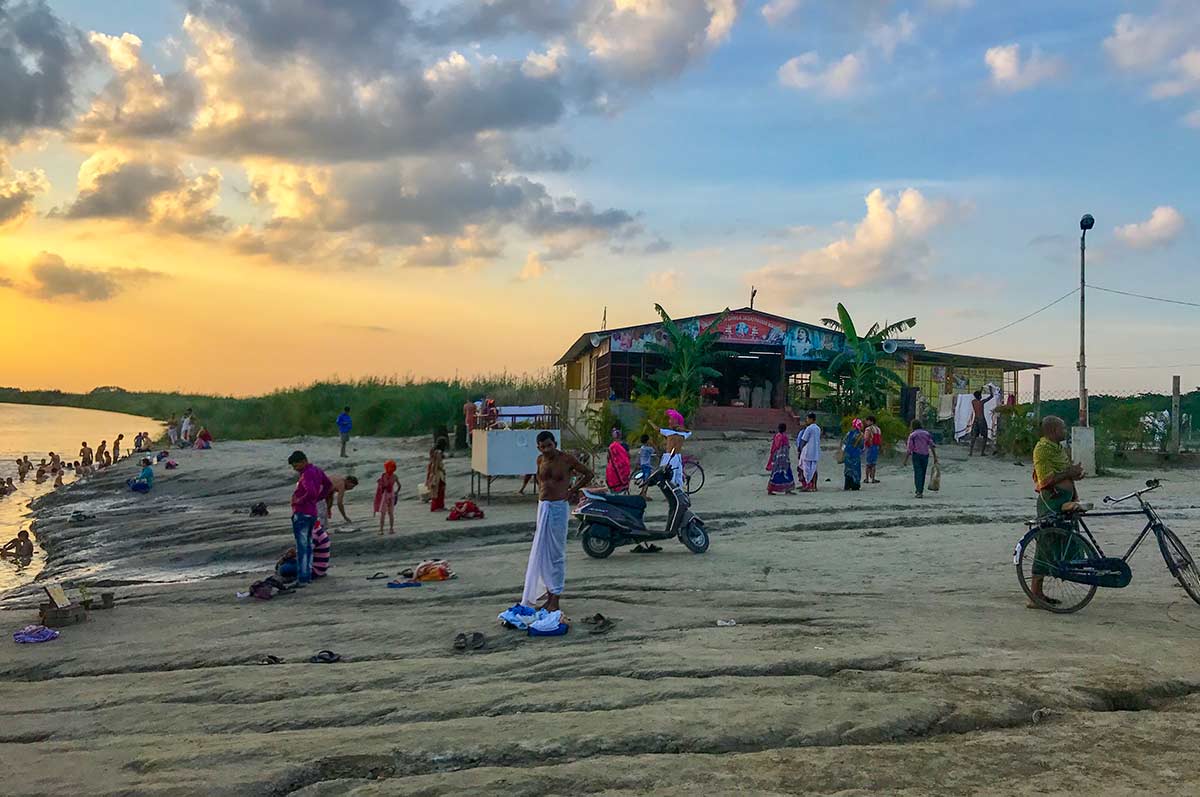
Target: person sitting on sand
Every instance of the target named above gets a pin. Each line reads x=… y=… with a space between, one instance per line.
x=387 y=492
x=144 y=480
x=19 y=549
x=341 y=485
x=321 y=551
x=435 y=476
x=204 y=439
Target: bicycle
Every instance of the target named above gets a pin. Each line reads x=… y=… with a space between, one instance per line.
x=693 y=475
x=1074 y=565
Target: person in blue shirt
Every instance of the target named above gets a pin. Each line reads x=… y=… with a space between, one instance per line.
x=344 y=425
x=145 y=479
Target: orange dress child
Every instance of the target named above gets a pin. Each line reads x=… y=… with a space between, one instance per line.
x=387 y=493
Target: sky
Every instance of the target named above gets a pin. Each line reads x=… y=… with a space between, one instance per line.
x=233 y=196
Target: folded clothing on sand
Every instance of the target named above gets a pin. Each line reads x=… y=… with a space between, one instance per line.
x=538 y=622
x=34 y=633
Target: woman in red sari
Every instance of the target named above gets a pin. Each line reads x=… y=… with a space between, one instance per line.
x=779 y=463
x=618 y=471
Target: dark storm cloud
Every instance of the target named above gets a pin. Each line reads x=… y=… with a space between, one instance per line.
x=39 y=55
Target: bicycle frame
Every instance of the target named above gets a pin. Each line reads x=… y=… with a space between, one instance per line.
x=1153 y=522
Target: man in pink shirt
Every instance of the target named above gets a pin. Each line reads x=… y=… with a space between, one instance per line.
x=311 y=488
x=920 y=448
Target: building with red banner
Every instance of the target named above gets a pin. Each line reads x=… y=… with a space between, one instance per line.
x=767 y=371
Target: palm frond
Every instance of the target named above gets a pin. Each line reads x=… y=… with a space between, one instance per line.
x=898 y=327
x=847 y=322
x=833 y=324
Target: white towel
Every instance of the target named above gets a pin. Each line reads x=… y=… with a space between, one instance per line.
x=547 y=569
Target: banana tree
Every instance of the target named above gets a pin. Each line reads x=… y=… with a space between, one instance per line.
x=865 y=383
x=689 y=362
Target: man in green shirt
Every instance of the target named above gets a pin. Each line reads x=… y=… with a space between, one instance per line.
x=1054 y=477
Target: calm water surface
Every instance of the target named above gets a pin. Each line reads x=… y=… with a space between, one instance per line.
x=36 y=431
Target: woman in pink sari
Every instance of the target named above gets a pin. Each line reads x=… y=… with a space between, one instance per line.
x=779 y=463
x=618 y=471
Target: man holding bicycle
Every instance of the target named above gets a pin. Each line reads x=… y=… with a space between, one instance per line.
x=1054 y=476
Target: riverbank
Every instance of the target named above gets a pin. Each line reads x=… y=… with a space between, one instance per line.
x=881 y=645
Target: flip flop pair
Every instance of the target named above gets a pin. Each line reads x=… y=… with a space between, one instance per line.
x=377 y=576
x=472 y=641
x=325 y=657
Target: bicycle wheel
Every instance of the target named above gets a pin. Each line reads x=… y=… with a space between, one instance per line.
x=1037 y=552
x=693 y=477
x=1180 y=562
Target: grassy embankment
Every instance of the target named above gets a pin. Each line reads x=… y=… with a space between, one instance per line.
x=382 y=407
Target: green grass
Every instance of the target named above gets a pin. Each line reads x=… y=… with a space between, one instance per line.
x=381 y=407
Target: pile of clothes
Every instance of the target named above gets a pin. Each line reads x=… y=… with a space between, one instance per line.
x=31 y=634
x=536 y=622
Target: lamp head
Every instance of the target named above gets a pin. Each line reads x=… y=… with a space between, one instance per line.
x=1087 y=222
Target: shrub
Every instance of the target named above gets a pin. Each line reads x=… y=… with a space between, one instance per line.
x=892 y=426
x=1019 y=430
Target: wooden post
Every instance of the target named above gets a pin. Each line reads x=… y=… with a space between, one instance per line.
x=1176 y=420
x=1037 y=397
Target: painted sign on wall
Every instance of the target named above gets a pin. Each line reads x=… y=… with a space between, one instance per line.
x=799 y=341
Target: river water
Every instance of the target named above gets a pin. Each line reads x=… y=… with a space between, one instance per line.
x=35 y=431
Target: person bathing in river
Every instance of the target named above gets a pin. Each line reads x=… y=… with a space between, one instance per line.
x=19 y=549
x=85 y=453
x=103 y=460
x=116 y=455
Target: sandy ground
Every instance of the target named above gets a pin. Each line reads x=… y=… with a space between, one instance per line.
x=882 y=646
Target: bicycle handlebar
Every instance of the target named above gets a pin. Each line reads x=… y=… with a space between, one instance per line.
x=1151 y=484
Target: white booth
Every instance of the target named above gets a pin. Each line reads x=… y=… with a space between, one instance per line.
x=503 y=452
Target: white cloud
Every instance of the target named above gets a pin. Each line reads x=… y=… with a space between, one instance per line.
x=776 y=11
x=665 y=283
x=1143 y=42
x=887 y=248
x=1185 y=77
x=1009 y=73
x=805 y=72
x=1163 y=227
x=888 y=36
x=645 y=40
x=18 y=190
x=534 y=268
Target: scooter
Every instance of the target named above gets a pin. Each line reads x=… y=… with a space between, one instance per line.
x=608 y=520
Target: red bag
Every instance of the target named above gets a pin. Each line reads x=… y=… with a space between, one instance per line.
x=465 y=510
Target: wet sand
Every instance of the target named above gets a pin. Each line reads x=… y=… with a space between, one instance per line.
x=882 y=646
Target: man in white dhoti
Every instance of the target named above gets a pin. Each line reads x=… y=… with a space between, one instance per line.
x=560 y=477
x=808 y=447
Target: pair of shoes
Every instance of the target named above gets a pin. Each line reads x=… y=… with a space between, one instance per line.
x=474 y=641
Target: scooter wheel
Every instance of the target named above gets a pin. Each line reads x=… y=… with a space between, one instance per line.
x=695 y=537
x=596 y=546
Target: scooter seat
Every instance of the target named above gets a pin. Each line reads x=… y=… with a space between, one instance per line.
x=634 y=502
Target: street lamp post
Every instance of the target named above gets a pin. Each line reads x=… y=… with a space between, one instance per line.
x=1085 y=224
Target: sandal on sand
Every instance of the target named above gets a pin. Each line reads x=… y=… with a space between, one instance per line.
x=377 y=576
x=325 y=657
x=595 y=619
x=476 y=640
x=604 y=626
x=270 y=659
x=460 y=642
x=646 y=549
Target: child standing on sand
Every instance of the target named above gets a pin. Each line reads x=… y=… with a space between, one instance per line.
x=387 y=492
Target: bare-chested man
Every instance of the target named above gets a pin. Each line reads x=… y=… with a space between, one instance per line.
x=560 y=477
x=85 y=454
x=340 y=485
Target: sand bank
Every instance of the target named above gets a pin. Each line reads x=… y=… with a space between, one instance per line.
x=882 y=645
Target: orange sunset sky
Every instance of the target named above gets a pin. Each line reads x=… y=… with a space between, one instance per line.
x=232 y=196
